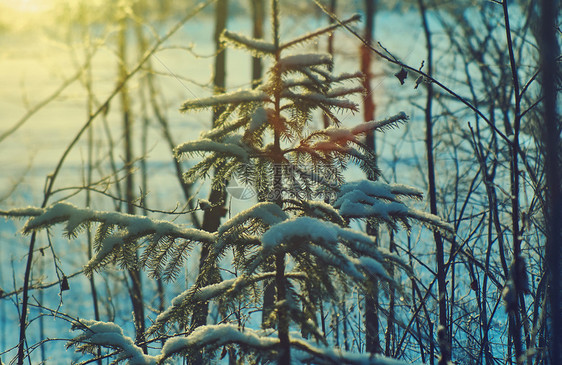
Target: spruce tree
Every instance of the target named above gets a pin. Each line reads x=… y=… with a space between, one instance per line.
x=298 y=238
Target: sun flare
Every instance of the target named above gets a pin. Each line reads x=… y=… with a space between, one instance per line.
x=24 y=14
x=28 y=6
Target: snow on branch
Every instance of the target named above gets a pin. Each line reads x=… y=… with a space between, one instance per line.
x=235 y=97
x=329 y=101
x=372 y=199
x=223 y=334
x=307 y=82
x=326 y=240
x=341 y=136
x=380 y=189
x=335 y=355
x=382 y=124
x=307 y=228
x=303 y=60
x=108 y=334
x=317 y=209
x=190 y=298
x=207 y=145
x=130 y=228
x=344 y=91
x=338 y=259
x=224 y=129
x=265 y=213
x=311 y=80
x=216 y=336
x=432 y=221
x=269 y=213
x=186 y=300
x=346 y=76
x=259 y=118
x=357 y=204
x=256 y=46
x=21 y=212
x=320 y=99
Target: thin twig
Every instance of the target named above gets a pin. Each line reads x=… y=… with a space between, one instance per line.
x=392 y=59
x=52 y=177
x=45 y=101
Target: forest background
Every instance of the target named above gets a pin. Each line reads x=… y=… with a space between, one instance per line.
x=89 y=108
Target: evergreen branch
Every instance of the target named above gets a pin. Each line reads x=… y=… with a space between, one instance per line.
x=433 y=222
x=269 y=213
x=258 y=47
x=344 y=91
x=22 y=212
x=232 y=98
x=225 y=128
x=321 y=99
x=379 y=190
x=223 y=173
x=309 y=82
x=346 y=76
x=304 y=60
x=331 y=355
x=317 y=209
x=317 y=84
x=362 y=200
x=195 y=295
x=130 y=229
x=60 y=212
x=322 y=239
x=116 y=198
x=215 y=336
x=107 y=334
x=380 y=125
x=176 y=261
x=304 y=82
x=342 y=136
x=201 y=169
x=365 y=159
x=223 y=334
x=208 y=145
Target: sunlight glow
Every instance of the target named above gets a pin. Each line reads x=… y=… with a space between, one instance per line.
x=28 y=6
x=18 y=15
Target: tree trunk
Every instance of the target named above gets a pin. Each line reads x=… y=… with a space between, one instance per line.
x=134 y=274
x=332 y=10
x=517 y=267
x=551 y=143
x=277 y=197
x=212 y=216
x=390 y=334
x=89 y=106
x=443 y=338
x=372 y=341
x=258 y=14
x=283 y=321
